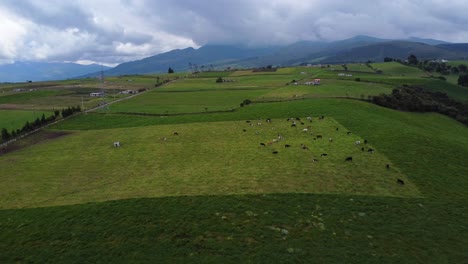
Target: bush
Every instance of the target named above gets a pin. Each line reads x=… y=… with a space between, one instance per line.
x=357 y=79
x=416 y=99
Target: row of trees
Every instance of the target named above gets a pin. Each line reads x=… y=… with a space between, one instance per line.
x=417 y=99
x=38 y=123
x=431 y=65
x=437 y=66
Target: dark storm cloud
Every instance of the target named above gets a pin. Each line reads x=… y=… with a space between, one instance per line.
x=115 y=31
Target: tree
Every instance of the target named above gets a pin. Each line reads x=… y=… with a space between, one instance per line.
x=463 y=80
x=5 y=135
x=462 y=68
x=170 y=70
x=412 y=60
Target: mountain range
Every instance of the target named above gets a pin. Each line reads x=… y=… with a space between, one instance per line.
x=356 y=49
x=43 y=71
x=211 y=56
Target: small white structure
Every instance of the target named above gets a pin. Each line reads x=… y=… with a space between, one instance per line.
x=96 y=94
x=128 y=92
x=116 y=144
x=317 y=82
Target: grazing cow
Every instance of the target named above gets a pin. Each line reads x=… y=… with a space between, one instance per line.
x=400 y=182
x=365 y=141
x=248 y=121
x=302 y=123
x=164 y=139
x=280 y=137
x=309 y=118
x=323 y=155
x=337 y=129
x=349 y=159
x=268 y=120
x=251 y=124
x=362 y=149
x=370 y=150
x=298 y=119
x=259 y=123
x=117 y=144
x=319 y=136
x=244 y=130
x=287 y=146
x=274 y=140
x=305 y=130
x=358 y=142
x=304 y=146
x=330 y=140
x=262 y=144
x=348 y=133
x=315 y=160
x=293 y=125
x=315 y=138
x=275 y=152
x=176 y=134
x=387 y=166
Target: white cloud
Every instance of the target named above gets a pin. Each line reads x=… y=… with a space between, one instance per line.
x=111 y=32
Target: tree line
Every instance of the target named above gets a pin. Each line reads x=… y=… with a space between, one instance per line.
x=436 y=66
x=417 y=99
x=38 y=123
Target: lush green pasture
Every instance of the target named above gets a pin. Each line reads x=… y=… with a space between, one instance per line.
x=277 y=228
x=330 y=88
x=361 y=67
x=15 y=119
x=212 y=193
x=398 y=69
x=424 y=146
x=218 y=158
x=156 y=102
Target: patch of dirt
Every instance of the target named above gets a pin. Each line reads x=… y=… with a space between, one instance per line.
x=33 y=139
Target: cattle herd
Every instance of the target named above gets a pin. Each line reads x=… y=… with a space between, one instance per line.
x=306 y=128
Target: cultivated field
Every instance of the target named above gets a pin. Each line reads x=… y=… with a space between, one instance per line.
x=192 y=182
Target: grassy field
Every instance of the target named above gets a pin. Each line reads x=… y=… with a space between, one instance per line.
x=15 y=119
x=213 y=193
x=219 y=158
x=331 y=88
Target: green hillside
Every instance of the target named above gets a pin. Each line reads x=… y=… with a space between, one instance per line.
x=191 y=182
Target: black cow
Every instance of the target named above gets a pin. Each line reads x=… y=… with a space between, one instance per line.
x=370 y=150
x=293 y=125
x=365 y=141
x=176 y=134
x=287 y=146
x=400 y=182
x=244 y=130
x=275 y=152
x=362 y=148
x=387 y=166
x=349 y=159
x=315 y=160
x=323 y=154
x=348 y=133
x=319 y=136
x=248 y=121
x=262 y=144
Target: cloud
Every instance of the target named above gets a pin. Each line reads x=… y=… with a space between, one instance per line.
x=111 y=32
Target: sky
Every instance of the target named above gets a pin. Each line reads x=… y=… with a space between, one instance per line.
x=115 y=31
